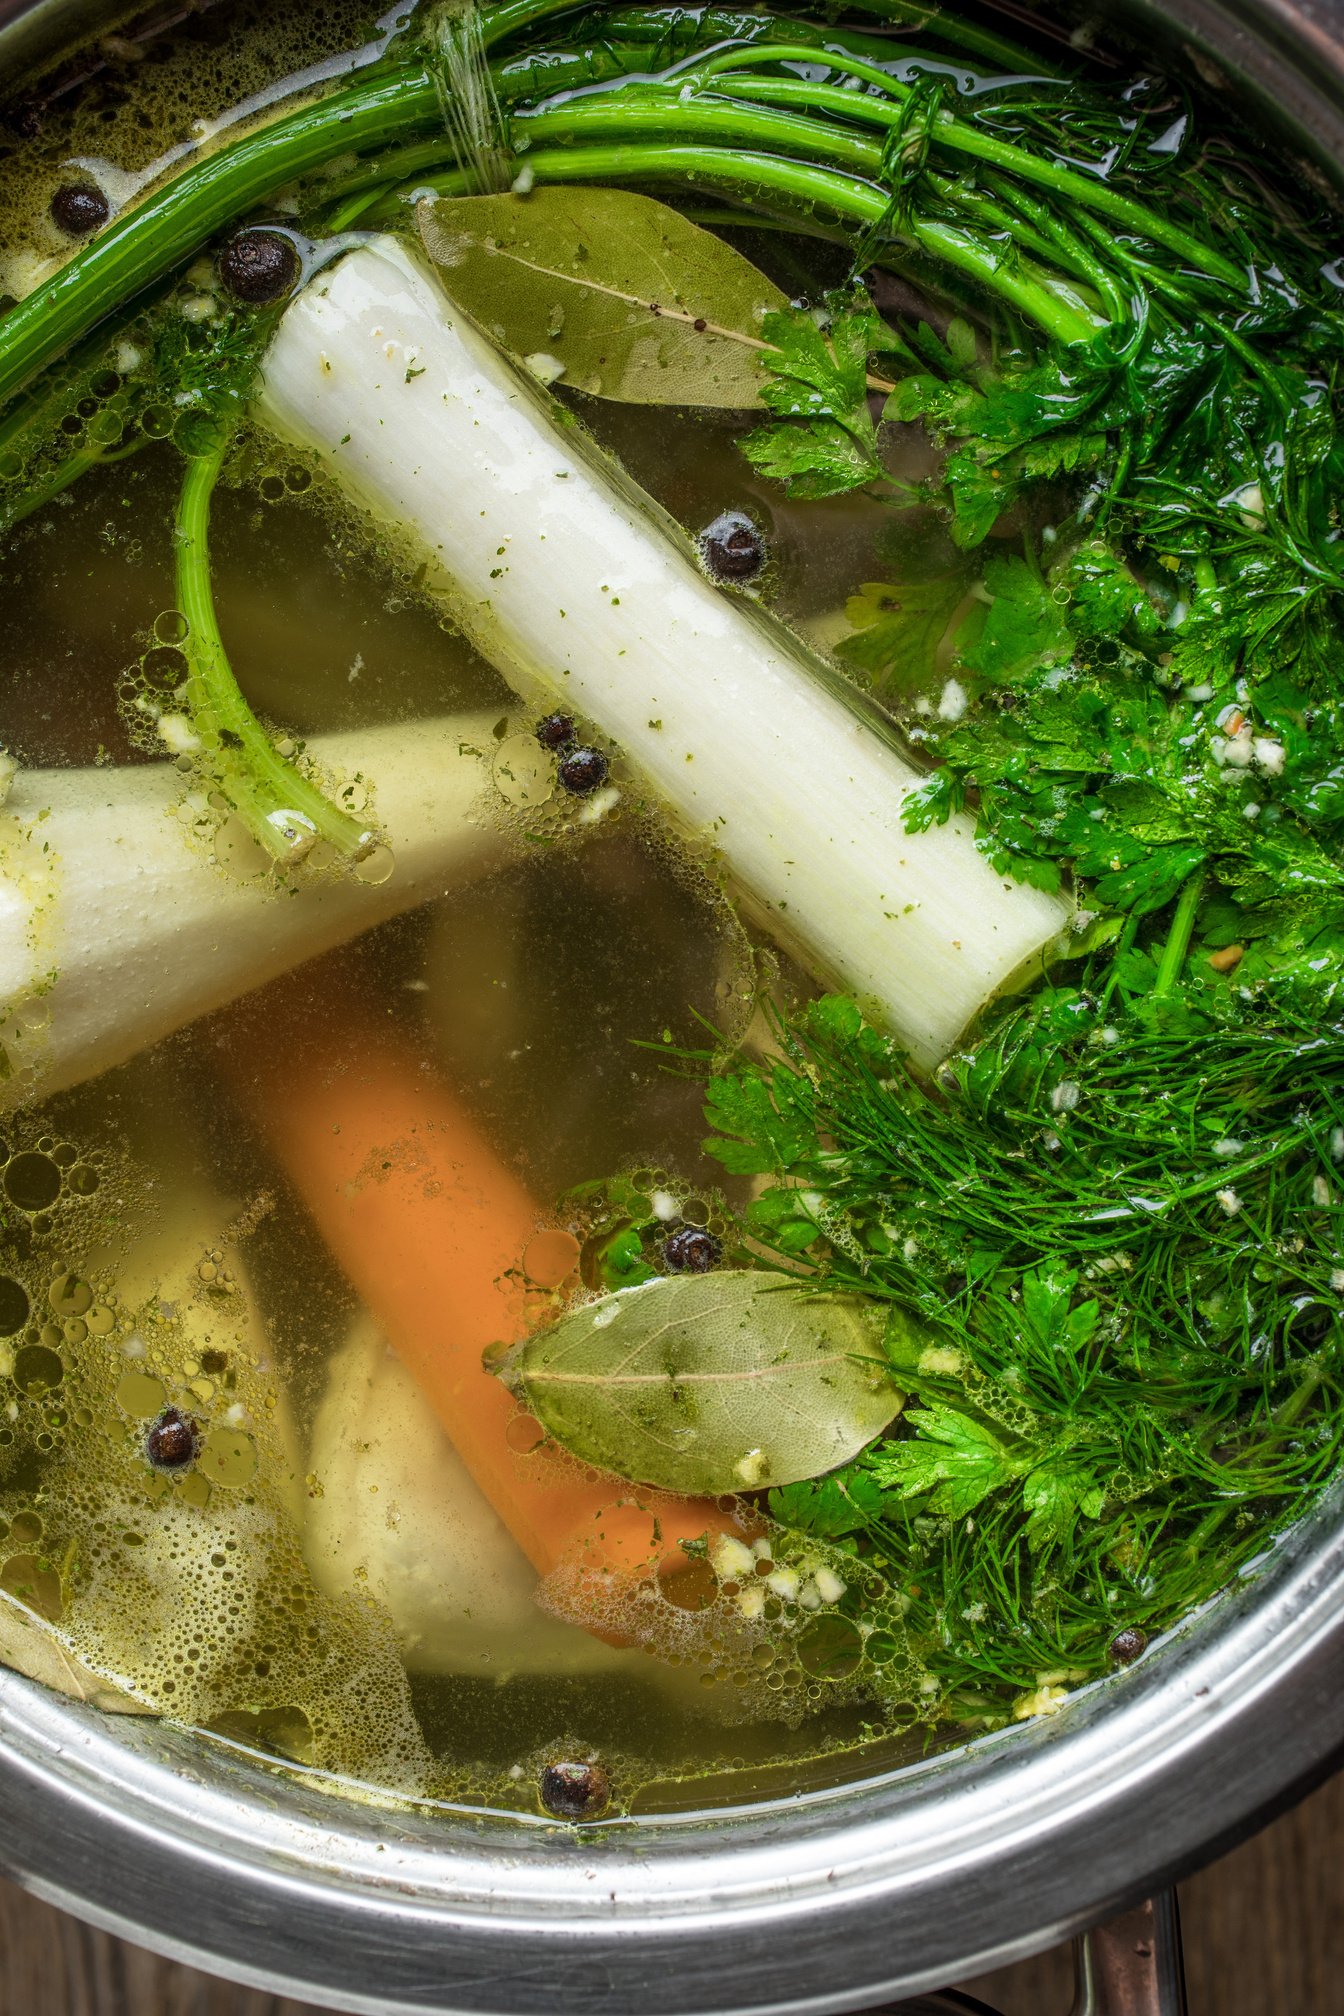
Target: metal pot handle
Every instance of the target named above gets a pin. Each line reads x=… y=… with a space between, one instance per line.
x=1130 y=1966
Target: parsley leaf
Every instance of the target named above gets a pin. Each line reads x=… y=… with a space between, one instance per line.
x=761 y=1122
x=1084 y=749
x=898 y=629
x=1007 y=425
x=845 y=1502
x=1054 y=1495
x=1018 y=625
x=953 y=1458
x=823 y=440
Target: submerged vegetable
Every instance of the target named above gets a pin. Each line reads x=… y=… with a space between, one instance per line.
x=130 y=910
x=572 y=585
x=455 y=1583
x=429 y=1227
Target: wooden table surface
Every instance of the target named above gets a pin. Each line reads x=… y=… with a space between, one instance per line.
x=1264 y=1936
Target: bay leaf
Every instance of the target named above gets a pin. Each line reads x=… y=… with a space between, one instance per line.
x=634 y=301
x=707 y=1383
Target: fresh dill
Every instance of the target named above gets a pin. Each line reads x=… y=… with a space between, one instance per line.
x=1118 y=1225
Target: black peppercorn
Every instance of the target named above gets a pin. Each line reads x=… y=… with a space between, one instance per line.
x=78 y=208
x=1128 y=1645
x=259 y=266
x=691 y=1250
x=173 y=1441
x=555 y=731
x=733 y=549
x=583 y=770
x=573 y=1790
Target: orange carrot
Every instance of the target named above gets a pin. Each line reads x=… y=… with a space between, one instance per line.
x=425 y=1221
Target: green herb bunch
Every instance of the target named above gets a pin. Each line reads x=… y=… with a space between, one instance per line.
x=1110 y=1241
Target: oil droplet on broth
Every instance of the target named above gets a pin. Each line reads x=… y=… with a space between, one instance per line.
x=550 y=1258
x=32 y=1181
x=37 y=1368
x=69 y=1296
x=14 y=1306
x=141 y=1395
x=523 y=772
x=228 y=1457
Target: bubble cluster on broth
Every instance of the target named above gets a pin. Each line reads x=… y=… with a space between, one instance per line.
x=151 y=1476
x=581 y=696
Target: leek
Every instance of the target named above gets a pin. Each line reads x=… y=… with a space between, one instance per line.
x=576 y=587
x=115 y=930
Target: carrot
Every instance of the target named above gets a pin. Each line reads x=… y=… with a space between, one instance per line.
x=425 y=1221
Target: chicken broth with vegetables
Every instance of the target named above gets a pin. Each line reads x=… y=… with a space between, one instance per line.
x=673 y=1097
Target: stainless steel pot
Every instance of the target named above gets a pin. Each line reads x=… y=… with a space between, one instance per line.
x=832 y=1901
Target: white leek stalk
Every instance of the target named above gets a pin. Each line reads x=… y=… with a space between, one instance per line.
x=115 y=929
x=581 y=591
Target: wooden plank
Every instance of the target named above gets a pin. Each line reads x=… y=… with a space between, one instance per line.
x=1263 y=1928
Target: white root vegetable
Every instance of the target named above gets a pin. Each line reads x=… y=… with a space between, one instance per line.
x=115 y=929
x=395 y=1515
x=580 y=590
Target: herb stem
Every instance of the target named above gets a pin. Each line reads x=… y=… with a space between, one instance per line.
x=662 y=27
x=1178 y=938
x=960 y=135
x=1129 y=931
x=50 y=486
x=280 y=807
x=1290 y=1411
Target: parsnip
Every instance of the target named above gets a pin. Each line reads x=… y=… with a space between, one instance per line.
x=579 y=589
x=394 y=1514
x=115 y=929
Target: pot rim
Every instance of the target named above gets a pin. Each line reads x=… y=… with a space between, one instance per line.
x=829 y=1901
x=832 y=1900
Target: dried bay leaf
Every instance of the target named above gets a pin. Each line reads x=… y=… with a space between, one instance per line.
x=632 y=299
x=709 y=1383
